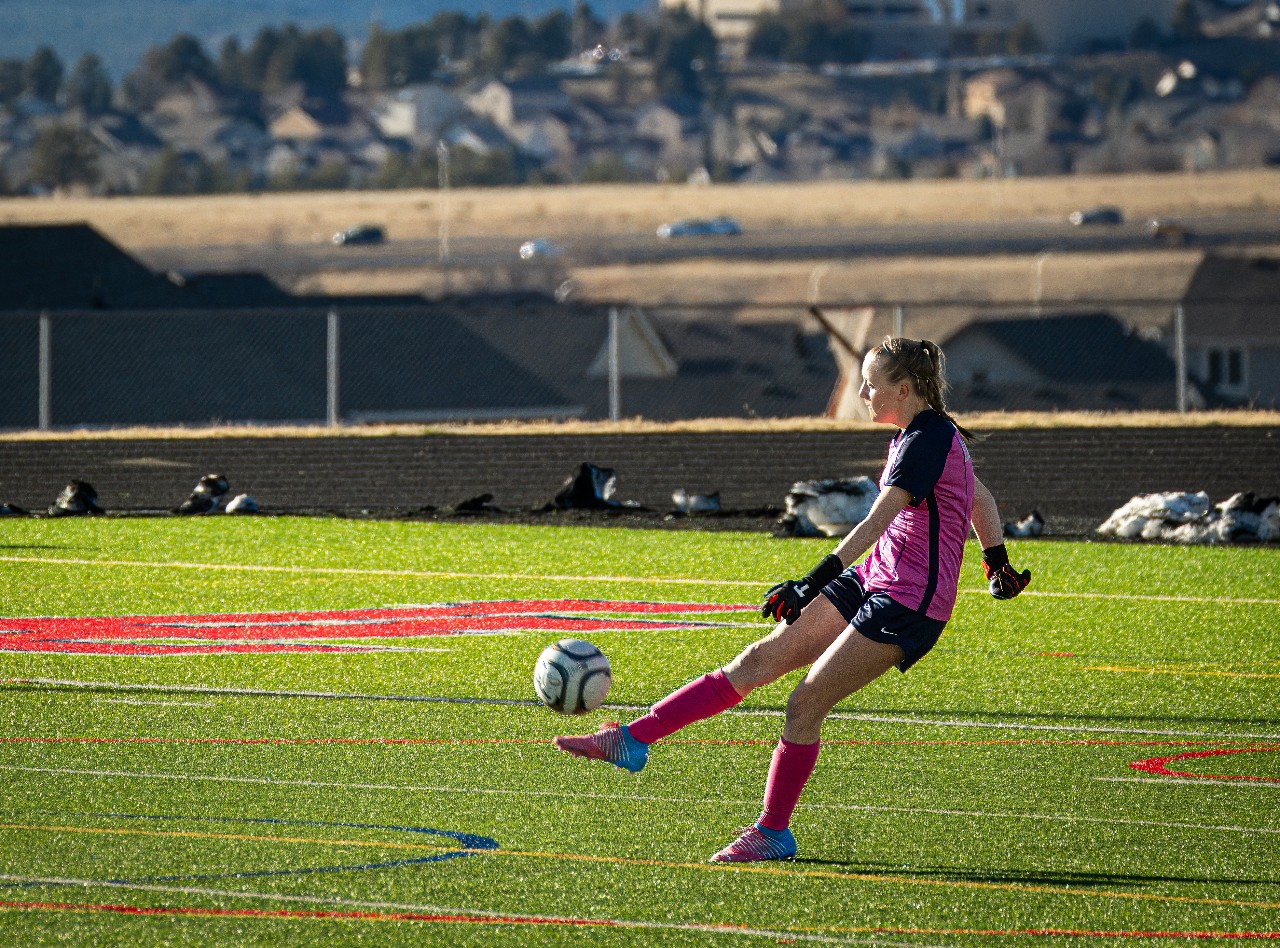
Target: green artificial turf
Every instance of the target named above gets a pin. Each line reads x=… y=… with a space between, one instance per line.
x=986 y=797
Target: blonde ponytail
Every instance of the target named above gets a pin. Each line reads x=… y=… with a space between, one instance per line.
x=922 y=363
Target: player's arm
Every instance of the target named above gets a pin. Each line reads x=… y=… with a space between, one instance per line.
x=786 y=600
x=1002 y=579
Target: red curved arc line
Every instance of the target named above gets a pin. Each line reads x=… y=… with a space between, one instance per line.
x=1160 y=765
x=289 y=632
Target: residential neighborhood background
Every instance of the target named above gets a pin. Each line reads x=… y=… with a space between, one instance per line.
x=696 y=91
x=725 y=90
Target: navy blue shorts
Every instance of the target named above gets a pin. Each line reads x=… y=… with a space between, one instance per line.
x=881 y=619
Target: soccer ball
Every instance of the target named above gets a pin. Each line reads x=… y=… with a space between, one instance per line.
x=572 y=676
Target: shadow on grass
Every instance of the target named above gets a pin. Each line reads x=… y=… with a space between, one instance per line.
x=1030 y=877
x=33 y=546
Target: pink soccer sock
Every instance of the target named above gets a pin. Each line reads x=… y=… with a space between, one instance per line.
x=789 y=772
x=700 y=698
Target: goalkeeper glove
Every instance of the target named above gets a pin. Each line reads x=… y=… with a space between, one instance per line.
x=785 y=600
x=1002 y=579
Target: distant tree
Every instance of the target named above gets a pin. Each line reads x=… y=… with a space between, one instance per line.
x=175 y=173
x=390 y=59
x=422 y=50
x=62 y=156
x=497 y=168
x=378 y=61
x=820 y=31
x=224 y=178
x=392 y=173
x=12 y=81
x=316 y=59
x=180 y=59
x=1146 y=34
x=684 y=55
x=552 y=36
x=322 y=63
x=769 y=37
x=630 y=29
x=606 y=168
x=1186 y=22
x=165 y=67
x=457 y=34
x=508 y=46
x=89 y=87
x=332 y=174
x=1023 y=40
x=586 y=30
x=42 y=75
x=258 y=57
x=233 y=65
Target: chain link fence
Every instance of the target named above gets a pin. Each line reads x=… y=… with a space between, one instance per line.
x=514 y=356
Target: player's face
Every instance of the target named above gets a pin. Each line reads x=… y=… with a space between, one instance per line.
x=885 y=400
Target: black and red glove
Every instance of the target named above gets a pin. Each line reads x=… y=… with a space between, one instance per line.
x=1002 y=579
x=785 y=601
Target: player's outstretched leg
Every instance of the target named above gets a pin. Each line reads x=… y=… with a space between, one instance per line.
x=758 y=844
x=612 y=743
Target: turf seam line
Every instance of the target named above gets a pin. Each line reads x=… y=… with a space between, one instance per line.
x=555 y=577
x=69 y=683
x=1195 y=781
x=447 y=914
x=637 y=798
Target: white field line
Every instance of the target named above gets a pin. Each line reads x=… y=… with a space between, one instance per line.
x=1197 y=782
x=158 y=704
x=497 y=916
x=556 y=577
x=635 y=798
x=908 y=720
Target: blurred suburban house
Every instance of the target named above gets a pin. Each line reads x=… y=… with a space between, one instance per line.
x=928 y=27
x=95 y=338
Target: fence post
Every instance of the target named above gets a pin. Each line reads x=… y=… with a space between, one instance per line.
x=615 y=374
x=1180 y=355
x=899 y=321
x=44 y=409
x=332 y=367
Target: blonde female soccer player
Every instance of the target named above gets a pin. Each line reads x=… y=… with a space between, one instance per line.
x=849 y=623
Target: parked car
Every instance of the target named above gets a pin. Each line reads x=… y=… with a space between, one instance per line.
x=700 y=227
x=539 y=247
x=1165 y=231
x=1097 y=215
x=360 y=234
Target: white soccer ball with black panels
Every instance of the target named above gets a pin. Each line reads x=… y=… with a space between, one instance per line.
x=572 y=676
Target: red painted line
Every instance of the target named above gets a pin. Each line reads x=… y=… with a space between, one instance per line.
x=276 y=632
x=317 y=914
x=1160 y=765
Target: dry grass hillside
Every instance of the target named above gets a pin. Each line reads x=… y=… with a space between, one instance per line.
x=138 y=223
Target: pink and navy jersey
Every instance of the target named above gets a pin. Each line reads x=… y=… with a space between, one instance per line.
x=917 y=559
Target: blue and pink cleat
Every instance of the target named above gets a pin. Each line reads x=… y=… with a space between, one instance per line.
x=758 y=844
x=612 y=743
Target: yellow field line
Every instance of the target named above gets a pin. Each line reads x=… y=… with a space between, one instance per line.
x=1140 y=670
x=784 y=870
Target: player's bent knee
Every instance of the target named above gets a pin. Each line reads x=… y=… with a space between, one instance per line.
x=805 y=708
